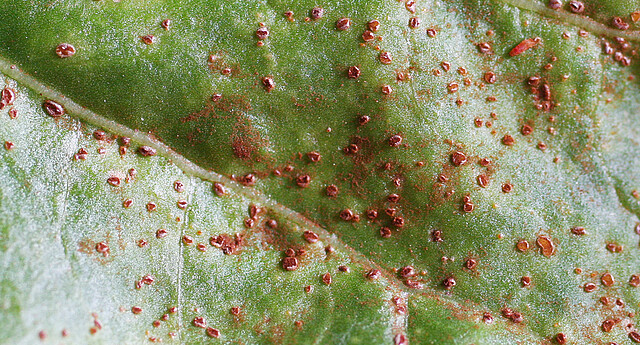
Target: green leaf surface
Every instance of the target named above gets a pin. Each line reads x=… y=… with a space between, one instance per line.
x=528 y=239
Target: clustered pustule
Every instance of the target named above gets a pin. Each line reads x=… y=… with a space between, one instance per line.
x=514 y=316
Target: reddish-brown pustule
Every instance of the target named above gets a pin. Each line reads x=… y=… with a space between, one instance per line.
x=524 y=46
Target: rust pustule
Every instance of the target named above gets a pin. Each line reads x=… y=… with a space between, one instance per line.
x=353 y=72
x=368 y=36
x=546 y=245
x=53 y=108
x=331 y=190
x=213 y=332
x=458 y=158
x=344 y=24
x=522 y=245
x=290 y=263
x=576 y=6
x=303 y=181
x=65 y=50
x=373 y=274
x=607 y=280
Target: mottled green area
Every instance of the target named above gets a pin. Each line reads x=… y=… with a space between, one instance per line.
x=577 y=168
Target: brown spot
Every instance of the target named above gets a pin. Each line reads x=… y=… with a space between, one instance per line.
x=522 y=245
x=290 y=263
x=607 y=279
x=148 y=39
x=65 y=50
x=508 y=140
x=576 y=6
x=507 y=188
x=525 y=281
x=344 y=24
x=353 y=72
x=546 y=245
x=52 y=108
x=458 y=158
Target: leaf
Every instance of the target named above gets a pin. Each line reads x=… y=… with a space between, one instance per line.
x=501 y=201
